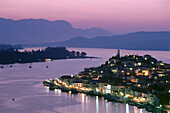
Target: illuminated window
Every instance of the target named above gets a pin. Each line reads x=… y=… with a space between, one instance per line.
x=139 y=63
x=114 y=70
x=112 y=64
x=108 y=86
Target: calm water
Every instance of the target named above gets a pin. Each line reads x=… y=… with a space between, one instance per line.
x=25 y=86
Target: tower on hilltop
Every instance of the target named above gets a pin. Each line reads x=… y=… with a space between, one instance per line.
x=118 y=53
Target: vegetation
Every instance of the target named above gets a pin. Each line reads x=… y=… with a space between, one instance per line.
x=14 y=56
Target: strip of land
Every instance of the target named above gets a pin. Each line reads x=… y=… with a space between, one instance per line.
x=11 y=55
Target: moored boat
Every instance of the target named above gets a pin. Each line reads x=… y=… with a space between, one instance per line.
x=51 y=86
x=64 y=89
x=74 y=91
x=139 y=105
x=46 y=83
x=57 y=87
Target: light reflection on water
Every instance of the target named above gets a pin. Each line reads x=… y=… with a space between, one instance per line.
x=82 y=103
x=127 y=108
x=140 y=110
x=25 y=85
x=98 y=105
x=107 y=107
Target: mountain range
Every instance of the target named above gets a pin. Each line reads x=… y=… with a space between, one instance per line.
x=31 y=31
x=132 y=41
x=41 y=32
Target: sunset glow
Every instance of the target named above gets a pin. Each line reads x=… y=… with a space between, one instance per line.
x=119 y=16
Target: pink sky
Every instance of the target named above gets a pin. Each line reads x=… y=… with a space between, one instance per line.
x=118 y=16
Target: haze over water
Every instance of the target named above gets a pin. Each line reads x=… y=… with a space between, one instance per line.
x=25 y=86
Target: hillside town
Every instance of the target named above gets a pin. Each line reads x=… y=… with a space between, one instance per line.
x=140 y=81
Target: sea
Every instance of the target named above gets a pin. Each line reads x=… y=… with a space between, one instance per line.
x=22 y=91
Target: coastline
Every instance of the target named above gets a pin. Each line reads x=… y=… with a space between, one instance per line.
x=39 y=55
x=112 y=98
x=51 y=60
x=137 y=80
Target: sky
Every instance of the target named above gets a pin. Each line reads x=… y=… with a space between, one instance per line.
x=117 y=16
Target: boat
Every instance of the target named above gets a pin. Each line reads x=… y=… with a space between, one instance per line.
x=82 y=92
x=46 y=83
x=2 y=66
x=122 y=100
x=98 y=94
x=91 y=93
x=10 y=66
x=131 y=103
x=51 y=86
x=74 y=91
x=111 y=99
x=150 y=109
x=30 y=66
x=108 y=97
x=57 y=87
x=140 y=105
x=85 y=92
x=46 y=66
x=117 y=99
x=64 y=89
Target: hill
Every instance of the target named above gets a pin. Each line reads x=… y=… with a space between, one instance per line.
x=32 y=31
x=132 y=41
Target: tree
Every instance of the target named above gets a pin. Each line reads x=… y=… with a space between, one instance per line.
x=77 y=53
x=73 y=53
x=83 y=54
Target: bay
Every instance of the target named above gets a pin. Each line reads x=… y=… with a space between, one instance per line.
x=24 y=85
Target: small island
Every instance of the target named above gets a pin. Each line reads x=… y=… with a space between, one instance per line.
x=11 y=55
x=140 y=81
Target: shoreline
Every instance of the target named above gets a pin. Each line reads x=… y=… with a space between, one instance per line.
x=51 y=60
x=140 y=81
x=58 y=84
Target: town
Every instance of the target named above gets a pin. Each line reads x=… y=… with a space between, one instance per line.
x=140 y=81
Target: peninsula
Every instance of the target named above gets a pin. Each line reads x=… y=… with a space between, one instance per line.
x=140 y=81
x=10 y=56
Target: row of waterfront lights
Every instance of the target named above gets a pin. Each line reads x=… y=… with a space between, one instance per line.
x=62 y=83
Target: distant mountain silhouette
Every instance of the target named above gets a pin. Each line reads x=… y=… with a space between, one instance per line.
x=31 y=31
x=9 y=47
x=133 y=41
